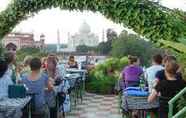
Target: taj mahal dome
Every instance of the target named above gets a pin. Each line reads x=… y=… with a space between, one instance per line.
x=84 y=36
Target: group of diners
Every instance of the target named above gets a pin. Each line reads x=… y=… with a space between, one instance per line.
x=39 y=76
x=164 y=80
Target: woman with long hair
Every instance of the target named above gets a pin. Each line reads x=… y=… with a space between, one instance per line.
x=5 y=79
x=52 y=73
x=168 y=87
x=72 y=63
x=131 y=73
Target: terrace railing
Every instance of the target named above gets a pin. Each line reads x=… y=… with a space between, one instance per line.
x=171 y=106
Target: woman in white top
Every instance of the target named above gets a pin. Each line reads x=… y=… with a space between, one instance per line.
x=5 y=79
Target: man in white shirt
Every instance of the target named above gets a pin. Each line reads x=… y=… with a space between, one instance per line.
x=152 y=70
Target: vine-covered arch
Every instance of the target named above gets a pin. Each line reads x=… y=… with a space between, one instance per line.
x=144 y=17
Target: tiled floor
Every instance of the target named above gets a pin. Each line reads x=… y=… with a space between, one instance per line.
x=96 y=106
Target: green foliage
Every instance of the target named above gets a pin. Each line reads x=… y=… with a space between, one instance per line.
x=84 y=49
x=1 y=50
x=35 y=52
x=180 y=47
x=130 y=44
x=111 y=34
x=53 y=48
x=103 y=78
x=104 y=47
x=143 y=16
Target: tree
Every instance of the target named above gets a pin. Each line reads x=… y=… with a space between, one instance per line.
x=35 y=52
x=82 y=48
x=130 y=44
x=145 y=17
x=104 y=47
x=111 y=34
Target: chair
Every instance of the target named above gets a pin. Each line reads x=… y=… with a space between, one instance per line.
x=34 y=114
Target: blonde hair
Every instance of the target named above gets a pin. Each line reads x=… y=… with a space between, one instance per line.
x=27 y=60
x=171 y=67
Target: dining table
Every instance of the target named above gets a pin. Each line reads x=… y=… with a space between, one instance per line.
x=13 y=107
x=81 y=72
x=136 y=98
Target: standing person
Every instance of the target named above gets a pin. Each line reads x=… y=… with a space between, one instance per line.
x=72 y=63
x=54 y=76
x=131 y=73
x=37 y=82
x=168 y=87
x=10 y=58
x=5 y=79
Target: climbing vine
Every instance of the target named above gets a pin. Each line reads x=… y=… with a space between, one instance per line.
x=144 y=17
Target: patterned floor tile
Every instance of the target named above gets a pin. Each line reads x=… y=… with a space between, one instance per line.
x=96 y=106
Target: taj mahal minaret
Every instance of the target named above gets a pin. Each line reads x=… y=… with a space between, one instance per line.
x=58 y=40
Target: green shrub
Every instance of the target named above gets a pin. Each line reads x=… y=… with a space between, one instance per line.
x=103 y=78
x=35 y=52
x=130 y=44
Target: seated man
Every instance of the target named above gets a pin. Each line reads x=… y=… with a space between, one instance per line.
x=37 y=82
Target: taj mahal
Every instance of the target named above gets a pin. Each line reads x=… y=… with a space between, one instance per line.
x=84 y=36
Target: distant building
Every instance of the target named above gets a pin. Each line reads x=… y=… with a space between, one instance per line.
x=23 y=40
x=83 y=37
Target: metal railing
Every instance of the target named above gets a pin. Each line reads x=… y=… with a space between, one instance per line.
x=172 y=101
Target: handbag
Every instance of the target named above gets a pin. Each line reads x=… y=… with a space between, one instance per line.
x=16 y=91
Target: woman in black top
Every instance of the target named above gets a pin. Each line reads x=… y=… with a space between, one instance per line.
x=168 y=87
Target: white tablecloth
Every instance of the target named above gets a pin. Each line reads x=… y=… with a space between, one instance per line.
x=12 y=108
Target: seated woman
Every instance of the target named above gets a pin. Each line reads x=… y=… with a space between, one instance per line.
x=167 y=88
x=44 y=63
x=160 y=75
x=37 y=82
x=72 y=63
x=5 y=79
x=10 y=58
x=27 y=61
x=131 y=73
x=23 y=68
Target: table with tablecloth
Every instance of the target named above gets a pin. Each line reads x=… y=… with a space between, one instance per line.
x=12 y=107
x=136 y=98
x=81 y=72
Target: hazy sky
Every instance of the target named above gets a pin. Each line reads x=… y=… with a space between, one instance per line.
x=48 y=21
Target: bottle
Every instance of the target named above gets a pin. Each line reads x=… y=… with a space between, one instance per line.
x=79 y=67
x=142 y=84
